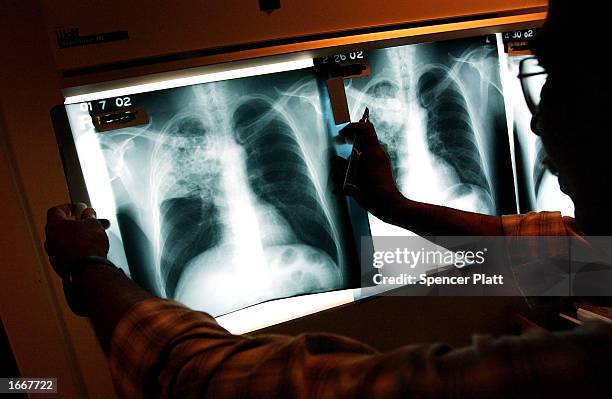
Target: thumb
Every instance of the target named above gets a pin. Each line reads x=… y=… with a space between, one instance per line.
x=105 y=223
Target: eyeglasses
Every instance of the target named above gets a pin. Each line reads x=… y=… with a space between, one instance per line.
x=532 y=76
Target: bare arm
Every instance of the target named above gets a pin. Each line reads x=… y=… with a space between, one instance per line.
x=431 y=220
x=377 y=193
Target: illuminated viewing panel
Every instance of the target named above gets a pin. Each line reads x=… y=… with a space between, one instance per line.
x=439 y=110
x=222 y=199
x=218 y=186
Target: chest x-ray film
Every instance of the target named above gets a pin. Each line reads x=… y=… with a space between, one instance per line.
x=222 y=199
x=538 y=189
x=439 y=110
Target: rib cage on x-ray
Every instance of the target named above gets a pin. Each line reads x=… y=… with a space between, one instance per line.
x=450 y=133
x=232 y=194
x=188 y=181
x=280 y=175
x=438 y=109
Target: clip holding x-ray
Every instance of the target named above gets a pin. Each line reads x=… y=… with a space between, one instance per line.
x=119 y=119
x=335 y=86
x=337 y=99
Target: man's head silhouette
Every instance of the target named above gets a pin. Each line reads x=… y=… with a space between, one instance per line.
x=573 y=117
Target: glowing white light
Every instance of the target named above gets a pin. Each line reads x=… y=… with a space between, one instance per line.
x=96 y=174
x=275 y=312
x=508 y=87
x=192 y=80
x=97 y=180
x=552 y=198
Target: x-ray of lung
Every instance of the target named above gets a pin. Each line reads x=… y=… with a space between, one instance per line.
x=538 y=189
x=439 y=110
x=222 y=200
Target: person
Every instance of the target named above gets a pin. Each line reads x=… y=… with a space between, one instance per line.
x=159 y=348
x=568 y=120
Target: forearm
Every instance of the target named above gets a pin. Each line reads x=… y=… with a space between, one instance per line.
x=108 y=294
x=435 y=220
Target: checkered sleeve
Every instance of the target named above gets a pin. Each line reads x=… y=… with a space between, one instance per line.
x=538 y=224
x=161 y=349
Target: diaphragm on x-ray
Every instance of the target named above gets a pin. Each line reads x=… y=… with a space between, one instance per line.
x=438 y=108
x=222 y=200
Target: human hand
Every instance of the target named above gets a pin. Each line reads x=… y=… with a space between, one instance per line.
x=375 y=186
x=72 y=233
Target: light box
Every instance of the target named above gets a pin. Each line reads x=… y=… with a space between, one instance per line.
x=217 y=184
x=218 y=189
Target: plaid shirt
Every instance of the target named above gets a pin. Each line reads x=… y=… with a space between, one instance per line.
x=539 y=224
x=163 y=349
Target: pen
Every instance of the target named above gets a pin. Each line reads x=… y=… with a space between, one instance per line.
x=366 y=116
x=350 y=178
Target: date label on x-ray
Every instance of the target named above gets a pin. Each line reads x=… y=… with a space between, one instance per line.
x=119 y=119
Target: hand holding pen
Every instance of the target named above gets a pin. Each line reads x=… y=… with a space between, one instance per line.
x=367 y=174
